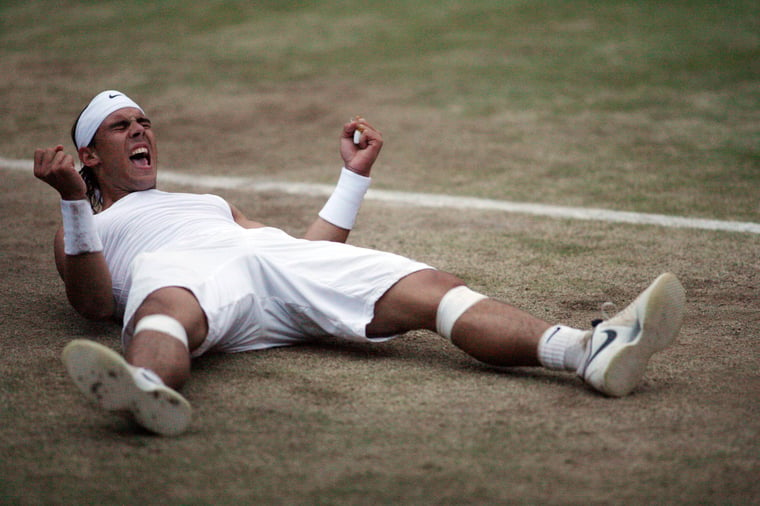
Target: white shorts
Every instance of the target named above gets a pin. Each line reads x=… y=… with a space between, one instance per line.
x=262 y=288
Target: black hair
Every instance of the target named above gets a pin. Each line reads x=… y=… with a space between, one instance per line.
x=93 y=186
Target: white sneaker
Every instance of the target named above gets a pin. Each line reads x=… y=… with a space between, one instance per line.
x=620 y=347
x=106 y=379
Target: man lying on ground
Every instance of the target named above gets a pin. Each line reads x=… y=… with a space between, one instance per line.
x=187 y=274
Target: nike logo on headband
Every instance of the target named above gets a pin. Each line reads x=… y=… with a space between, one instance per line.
x=114 y=96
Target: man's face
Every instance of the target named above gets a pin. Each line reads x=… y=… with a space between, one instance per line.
x=124 y=156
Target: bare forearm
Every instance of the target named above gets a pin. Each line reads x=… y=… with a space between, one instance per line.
x=322 y=230
x=88 y=285
x=77 y=246
x=87 y=281
x=336 y=219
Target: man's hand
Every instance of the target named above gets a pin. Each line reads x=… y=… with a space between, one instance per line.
x=359 y=158
x=57 y=169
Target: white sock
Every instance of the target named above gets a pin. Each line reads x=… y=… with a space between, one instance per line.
x=562 y=348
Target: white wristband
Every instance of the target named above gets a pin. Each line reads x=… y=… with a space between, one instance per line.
x=343 y=205
x=79 y=234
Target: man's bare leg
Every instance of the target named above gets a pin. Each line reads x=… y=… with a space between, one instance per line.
x=491 y=331
x=162 y=353
x=499 y=334
x=157 y=361
x=611 y=358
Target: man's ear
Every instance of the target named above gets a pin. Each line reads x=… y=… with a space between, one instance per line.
x=88 y=156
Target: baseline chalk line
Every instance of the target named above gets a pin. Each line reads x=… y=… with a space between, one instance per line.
x=439 y=200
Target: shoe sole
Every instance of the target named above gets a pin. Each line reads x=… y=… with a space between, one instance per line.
x=661 y=321
x=105 y=378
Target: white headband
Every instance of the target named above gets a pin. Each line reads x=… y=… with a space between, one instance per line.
x=98 y=109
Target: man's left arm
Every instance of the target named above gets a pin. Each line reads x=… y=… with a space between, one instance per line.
x=336 y=219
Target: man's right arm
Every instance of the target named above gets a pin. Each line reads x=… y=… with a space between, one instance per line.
x=85 y=274
x=87 y=281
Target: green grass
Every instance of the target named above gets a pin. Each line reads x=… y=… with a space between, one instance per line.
x=479 y=54
x=644 y=106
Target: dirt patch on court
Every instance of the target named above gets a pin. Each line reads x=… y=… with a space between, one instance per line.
x=413 y=420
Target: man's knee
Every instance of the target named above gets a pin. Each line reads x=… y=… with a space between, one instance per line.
x=452 y=306
x=412 y=303
x=177 y=304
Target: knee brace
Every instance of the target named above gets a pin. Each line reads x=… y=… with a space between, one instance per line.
x=164 y=324
x=452 y=306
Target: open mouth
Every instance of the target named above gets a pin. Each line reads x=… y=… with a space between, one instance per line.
x=140 y=157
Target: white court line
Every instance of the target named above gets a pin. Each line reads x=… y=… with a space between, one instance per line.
x=446 y=201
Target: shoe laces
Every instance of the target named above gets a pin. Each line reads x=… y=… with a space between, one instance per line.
x=608 y=310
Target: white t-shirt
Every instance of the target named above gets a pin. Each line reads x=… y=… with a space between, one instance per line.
x=258 y=287
x=153 y=220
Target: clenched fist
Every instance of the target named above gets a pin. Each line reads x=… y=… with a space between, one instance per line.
x=57 y=169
